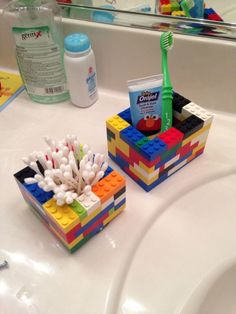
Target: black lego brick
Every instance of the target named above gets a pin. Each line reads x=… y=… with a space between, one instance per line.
x=190 y=125
x=179 y=102
x=27 y=172
x=119 y=193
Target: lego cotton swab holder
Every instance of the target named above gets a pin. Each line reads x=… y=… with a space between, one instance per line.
x=150 y=161
x=73 y=215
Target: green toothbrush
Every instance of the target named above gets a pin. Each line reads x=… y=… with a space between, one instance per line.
x=166 y=42
x=186 y=6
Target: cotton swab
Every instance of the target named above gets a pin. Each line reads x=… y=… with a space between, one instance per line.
x=68 y=168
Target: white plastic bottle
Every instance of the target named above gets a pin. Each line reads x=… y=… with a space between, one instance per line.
x=39 y=48
x=80 y=70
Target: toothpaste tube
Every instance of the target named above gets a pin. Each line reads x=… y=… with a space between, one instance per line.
x=145 y=103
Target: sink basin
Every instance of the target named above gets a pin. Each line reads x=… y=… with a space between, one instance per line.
x=186 y=241
x=215 y=293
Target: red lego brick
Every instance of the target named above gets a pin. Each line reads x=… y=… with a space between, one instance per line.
x=171 y=137
x=186 y=149
x=96 y=224
x=164 y=2
x=162 y=168
x=214 y=17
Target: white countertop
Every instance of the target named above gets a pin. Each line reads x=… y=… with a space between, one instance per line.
x=133 y=265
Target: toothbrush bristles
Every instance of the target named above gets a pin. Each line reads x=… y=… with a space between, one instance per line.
x=167 y=40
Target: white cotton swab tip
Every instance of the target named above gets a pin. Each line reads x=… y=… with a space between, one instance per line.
x=30 y=180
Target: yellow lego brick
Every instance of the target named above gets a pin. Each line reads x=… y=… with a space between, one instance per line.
x=116 y=124
x=191 y=137
x=166 y=8
x=147 y=169
x=140 y=176
x=121 y=145
x=91 y=216
x=196 y=149
x=64 y=216
x=111 y=145
x=178 y=13
x=69 y=245
x=113 y=215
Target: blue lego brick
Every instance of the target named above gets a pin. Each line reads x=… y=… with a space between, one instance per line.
x=108 y=171
x=152 y=149
x=40 y=195
x=209 y=11
x=97 y=229
x=109 y=207
x=120 y=204
x=131 y=136
x=119 y=160
x=126 y=115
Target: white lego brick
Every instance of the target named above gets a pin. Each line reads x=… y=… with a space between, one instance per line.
x=144 y=173
x=119 y=199
x=89 y=201
x=177 y=167
x=198 y=111
x=171 y=161
x=108 y=202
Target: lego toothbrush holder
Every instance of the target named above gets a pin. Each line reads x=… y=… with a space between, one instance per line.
x=150 y=161
x=76 y=223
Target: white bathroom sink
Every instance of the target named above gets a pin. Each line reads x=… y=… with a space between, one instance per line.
x=216 y=293
x=175 y=267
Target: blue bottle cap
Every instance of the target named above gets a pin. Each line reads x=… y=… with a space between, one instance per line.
x=77 y=42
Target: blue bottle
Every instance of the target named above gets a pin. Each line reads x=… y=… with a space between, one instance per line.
x=198 y=10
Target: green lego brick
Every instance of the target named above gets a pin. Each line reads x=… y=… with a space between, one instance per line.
x=79 y=210
x=170 y=152
x=142 y=142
